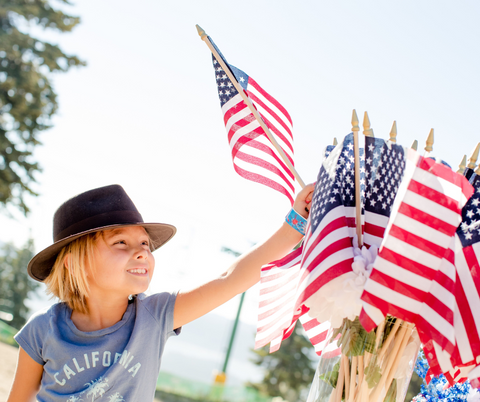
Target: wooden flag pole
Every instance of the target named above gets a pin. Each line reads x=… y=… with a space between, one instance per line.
x=248 y=102
x=429 y=144
x=393 y=132
x=472 y=161
x=358 y=200
x=463 y=165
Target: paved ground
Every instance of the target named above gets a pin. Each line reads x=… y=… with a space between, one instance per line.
x=8 y=362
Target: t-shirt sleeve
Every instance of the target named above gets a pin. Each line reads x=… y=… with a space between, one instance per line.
x=161 y=306
x=32 y=336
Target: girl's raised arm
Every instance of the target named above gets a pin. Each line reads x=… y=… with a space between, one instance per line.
x=28 y=376
x=243 y=273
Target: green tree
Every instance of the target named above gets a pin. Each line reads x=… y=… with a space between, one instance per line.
x=15 y=284
x=27 y=98
x=288 y=371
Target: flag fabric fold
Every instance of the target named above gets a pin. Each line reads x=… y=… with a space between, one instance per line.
x=254 y=156
x=413 y=277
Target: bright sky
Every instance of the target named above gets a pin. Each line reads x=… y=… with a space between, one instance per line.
x=145 y=113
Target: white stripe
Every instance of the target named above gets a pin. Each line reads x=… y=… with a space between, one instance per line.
x=231 y=103
x=426 y=232
x=249 y=149
x=402 y=275
x=392 y=297
x=376 y=219
x=438 y=184
x=413 y=253
x=242 y=131
x=443 y=358
x=270 y=105
x=372 y=240
x=466 y=280
x=250 y=167
x=330 y=238
x=432 y=208
x=463 y=343
x=374 y=313
x=438 y=322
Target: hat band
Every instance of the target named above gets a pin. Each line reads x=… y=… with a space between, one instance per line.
x=99 y=221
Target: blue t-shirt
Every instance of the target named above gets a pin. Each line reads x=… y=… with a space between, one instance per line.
x=120 y=363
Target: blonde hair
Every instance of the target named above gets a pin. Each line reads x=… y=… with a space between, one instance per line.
x=68 y=278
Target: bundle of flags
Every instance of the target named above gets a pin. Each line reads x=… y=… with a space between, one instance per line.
x=424 y=218
x=427 y=269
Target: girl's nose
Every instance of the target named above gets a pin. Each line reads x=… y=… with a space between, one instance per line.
x=142 y=254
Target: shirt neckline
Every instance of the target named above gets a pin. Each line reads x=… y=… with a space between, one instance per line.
x=126 y=316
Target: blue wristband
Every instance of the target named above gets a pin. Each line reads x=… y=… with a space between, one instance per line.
x=296 y=221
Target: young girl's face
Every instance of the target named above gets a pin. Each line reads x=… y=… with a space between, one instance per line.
x=123 y=262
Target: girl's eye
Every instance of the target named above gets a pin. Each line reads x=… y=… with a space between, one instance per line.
x=121 y=242
x=145 y=243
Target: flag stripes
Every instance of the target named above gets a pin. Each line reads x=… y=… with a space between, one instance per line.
x=254 y=156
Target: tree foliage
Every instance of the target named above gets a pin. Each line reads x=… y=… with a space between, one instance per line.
x=289 y=370
x=27 y=98
x=15 y=284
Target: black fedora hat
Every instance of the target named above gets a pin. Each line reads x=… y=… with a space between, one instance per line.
x=99 y=209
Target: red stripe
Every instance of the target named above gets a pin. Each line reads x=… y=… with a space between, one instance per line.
x=319 y=338
x=329 y=274
x=233 y=111
x=386 y=307
x=417 y=241
x=278 y=133
x=263 y=180
x=288 y=259
x=434 y=195
x=269 y=151
x=247 y=135
x=397 y=286
x=338 y=223
x=252 y=82
x=427 y=331
x=278 y=285
x=464 y=306
x=366 y=321
x=374 y=230
x=310 y=324
x=255 y=160
x=426 y=219
x=406 y=263
x=272 y=311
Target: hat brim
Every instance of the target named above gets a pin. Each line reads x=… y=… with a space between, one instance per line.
x=41 y=264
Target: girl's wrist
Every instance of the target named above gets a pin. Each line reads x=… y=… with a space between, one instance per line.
x=296 y=221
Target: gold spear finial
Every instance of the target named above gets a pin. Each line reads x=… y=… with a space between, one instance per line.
x=335 y=142
x=463 y=164
x=355 y=121
x=472 y=162
x=429 y=143
x=393 y=132
x=367 y=131
x=200 y=31
x=414 y=145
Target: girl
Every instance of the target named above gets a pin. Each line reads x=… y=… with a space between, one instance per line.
x=100 y=342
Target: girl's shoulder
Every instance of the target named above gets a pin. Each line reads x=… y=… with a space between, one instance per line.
x=45 y=318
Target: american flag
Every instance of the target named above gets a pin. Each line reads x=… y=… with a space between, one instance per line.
x=254 y=156
x=467 y=284
x=287 y=283
x=410 y=278
x=384 y=164
x=327 y=251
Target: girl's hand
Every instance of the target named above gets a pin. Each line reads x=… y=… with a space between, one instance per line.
x=303 y=200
